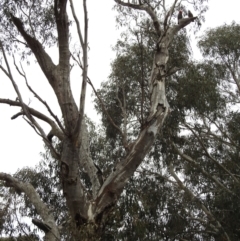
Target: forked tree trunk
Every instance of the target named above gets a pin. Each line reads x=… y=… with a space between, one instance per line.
x=89 y=211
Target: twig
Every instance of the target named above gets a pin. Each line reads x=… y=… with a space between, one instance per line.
x=193 y=162
x=38 y=97
x=84 y=45
x=100 y=99
x=208 y=154
x=198 y=200
x=148 y=9
x=104 y=108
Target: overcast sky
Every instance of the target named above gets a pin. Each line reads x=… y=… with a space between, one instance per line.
x=19 y=144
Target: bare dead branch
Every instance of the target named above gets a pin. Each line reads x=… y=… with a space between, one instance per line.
x=25 y=110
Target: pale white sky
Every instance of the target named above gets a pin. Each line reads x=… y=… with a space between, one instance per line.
x=19 y=144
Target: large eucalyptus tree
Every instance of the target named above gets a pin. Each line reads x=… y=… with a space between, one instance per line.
x=35 y=25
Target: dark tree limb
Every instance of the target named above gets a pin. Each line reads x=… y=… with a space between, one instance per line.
x=41 y=225
x=17 y=115
x=42 y=57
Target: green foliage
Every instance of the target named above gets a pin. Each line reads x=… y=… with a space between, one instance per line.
x=222 y=43
x=227 y=210
x=125 y=94
x=202 y=79
x=45 y=179
x=37 y=17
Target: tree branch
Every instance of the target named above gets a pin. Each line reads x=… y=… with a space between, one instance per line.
x=25 y=110
x=148 y=9
x=42 y=57
x=58 y=76
x=124 y=115
x=77 y=24
x=208 y=175
x=210 y=156
x=84 y=78
x=114 y=184
x=198 y=201
x=63 y=31
x=37 y=114
x=31 y=193
x=40 y=99
x=104 y=109
x=41 y=225
x=86 y=160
